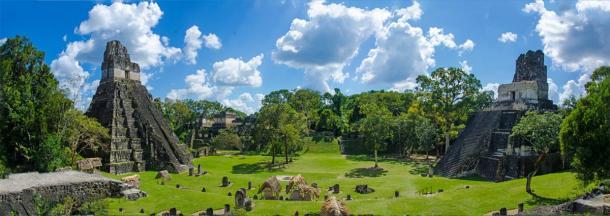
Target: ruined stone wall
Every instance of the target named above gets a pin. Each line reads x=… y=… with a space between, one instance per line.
x=18 y=192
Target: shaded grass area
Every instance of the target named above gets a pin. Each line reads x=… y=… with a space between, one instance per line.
x=324 y=165
x=365 y=172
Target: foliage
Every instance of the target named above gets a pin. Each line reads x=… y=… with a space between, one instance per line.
x=227 y=139
x=541 y=130
x=451 y=94
x=307 y=102
x=97 y=207
x=426 y=134
x=278 y=124
x=585 y=133
x=184 y=115
x=31 y=109
x=277 y=97
x=375 y=128
x=568 y=105
x=84 y=135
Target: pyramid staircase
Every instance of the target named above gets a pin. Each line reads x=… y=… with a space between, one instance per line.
x=126 y=153
x=463 y=155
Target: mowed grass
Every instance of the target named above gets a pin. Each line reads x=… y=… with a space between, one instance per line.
x=323 y=164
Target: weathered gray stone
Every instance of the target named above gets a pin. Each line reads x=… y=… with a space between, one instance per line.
x=163 y=175
x=133 y=194
x=240 y=198
x=364 y=189
x=225 y=181
x=17 y=192
x=530 y=66
x=140 y=137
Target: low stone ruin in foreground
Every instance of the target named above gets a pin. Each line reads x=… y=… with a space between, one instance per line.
x=18 y=191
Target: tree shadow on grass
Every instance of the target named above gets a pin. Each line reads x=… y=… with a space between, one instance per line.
x=251 y=168
x=365 y=172
x=538 y=200
x=419 y=168
x=474 y=177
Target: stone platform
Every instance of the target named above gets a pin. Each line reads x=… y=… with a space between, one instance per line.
x=18 y=191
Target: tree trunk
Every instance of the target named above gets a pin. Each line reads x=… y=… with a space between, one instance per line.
x=272 y=154
x=528 y=187
x=376 y=165
x=447 y=139
x=426 y=155
x=286 y=149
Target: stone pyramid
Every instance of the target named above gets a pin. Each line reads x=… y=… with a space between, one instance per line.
x=141 y=138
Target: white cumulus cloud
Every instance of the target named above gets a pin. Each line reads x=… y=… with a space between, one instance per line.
x=577 y=38
x=131 y=24
x=246 y=102
x=197 y=86
x=327 y=40
x=212 y=41
x=507 y=37
x=403 y=51
x=236 y=72
x=492 y=87
x=192 y=43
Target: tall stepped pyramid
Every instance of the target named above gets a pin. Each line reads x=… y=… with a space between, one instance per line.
x=484 y=147
x=141 y=138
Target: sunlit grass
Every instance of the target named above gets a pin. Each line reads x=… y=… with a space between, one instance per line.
x=323 y=164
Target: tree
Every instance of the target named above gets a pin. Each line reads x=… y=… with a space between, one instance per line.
x=426 y=134
x=277 y=97
x=404 y=132
x=329 y=121
x=375 y=128
x=308 y=102
x=227 y=139
x=451 y=93
x=84 y=135
x=279 y=124
x=541 y=130
x=585 y=133
x=31 y=109
x=568 y=105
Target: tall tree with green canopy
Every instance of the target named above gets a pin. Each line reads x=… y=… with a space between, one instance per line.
x=451 y=93
x=404 y=132
x=336 y=102
x=375 y=128
x=585 y=133
x=541 y=130
x=277 y=97
x=278 y=124
x=308 y=102
x=31 y=109
x=426 y=135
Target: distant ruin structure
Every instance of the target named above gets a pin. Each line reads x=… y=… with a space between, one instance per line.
x=141 y=137
x=485 y=148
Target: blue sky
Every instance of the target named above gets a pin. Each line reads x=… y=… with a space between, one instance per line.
x=357 y=46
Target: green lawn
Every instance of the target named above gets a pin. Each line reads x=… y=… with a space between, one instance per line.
x=323 y=164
